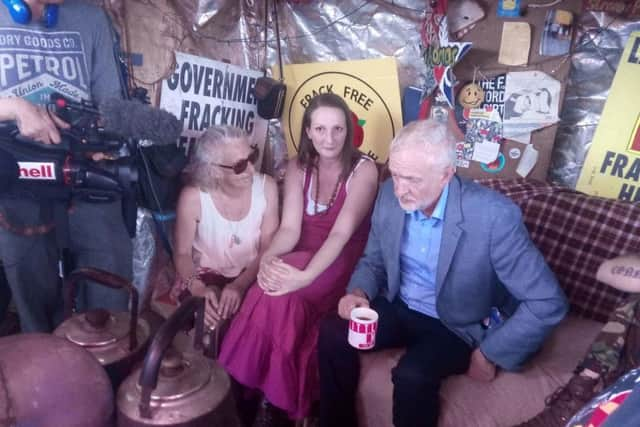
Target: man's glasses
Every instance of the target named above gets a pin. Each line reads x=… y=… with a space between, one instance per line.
x=241 y=165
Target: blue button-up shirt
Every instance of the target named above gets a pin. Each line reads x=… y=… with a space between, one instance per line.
x=419 y=251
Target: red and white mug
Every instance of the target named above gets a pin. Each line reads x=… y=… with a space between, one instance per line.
x=362 y=328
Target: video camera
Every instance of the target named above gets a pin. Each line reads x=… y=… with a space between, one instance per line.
x=118 y=129
x=60 y=171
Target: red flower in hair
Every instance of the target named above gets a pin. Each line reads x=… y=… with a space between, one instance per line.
x=358 y=131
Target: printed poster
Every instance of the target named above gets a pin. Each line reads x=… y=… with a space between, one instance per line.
x=531 y=102
x=481 y=93
x=203 y=92
x=612 y=166
x=370 y=88
x=479 y=109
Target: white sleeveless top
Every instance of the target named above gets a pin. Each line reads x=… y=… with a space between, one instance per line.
x=229 y=246
x=311 y=204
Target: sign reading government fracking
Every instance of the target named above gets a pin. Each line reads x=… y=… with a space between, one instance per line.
x=370 y=88
x=202 y=92
x=612 y=167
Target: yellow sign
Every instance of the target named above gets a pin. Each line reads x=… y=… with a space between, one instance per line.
x=612 y=167
x=370 y=88
x=634 y=143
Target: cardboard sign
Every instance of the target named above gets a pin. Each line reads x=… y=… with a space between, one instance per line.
x=202 y=92
x=612 y=166
x=370 y=88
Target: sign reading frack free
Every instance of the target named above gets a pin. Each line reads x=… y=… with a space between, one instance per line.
x=370 y=88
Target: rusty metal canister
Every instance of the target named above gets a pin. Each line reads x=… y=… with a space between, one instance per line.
x=177 y=388
x=46 y=381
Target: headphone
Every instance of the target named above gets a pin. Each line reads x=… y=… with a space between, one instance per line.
x=21 y=13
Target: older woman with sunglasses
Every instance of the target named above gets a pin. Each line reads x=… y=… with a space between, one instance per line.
x=226 y=216
x=329 y=192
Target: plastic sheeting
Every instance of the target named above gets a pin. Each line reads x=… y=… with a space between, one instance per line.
x=313 y=31
x=598 y=45
x=151 y=258
x=144 y=250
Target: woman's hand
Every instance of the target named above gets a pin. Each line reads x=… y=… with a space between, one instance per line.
x=276 y=278
x=211 y=303
x=266 y=276
x=230 y=300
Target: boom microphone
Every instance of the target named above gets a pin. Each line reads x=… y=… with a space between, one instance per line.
x=133 y=119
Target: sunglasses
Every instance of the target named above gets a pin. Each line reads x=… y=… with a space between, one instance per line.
x=241 y=165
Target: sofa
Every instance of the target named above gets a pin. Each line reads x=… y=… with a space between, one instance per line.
x=575 y=233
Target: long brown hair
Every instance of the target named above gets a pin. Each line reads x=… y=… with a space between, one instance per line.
x=307 y=154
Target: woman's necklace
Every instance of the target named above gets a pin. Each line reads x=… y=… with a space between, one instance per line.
x=235 y=238
x=332 y=199
x=232 y=226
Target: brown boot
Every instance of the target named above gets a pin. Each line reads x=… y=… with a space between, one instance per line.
x=564 y=403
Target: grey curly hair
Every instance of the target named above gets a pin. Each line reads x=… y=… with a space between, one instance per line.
x=204 y=152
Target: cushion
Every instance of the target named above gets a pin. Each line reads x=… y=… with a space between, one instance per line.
x=509 y=399
x=622 y=273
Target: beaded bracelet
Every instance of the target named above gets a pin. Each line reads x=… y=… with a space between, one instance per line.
x=186 y=291
x=189 y=281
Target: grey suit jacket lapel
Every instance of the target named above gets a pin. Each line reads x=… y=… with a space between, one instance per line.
x=451 y=231
x=395 y=231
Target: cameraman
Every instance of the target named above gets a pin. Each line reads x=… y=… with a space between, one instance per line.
x=71 y=54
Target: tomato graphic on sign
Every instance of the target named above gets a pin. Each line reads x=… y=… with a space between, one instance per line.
x=358 y=131
x=635 y=138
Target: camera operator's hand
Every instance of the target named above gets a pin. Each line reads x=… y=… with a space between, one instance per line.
x=35 y=122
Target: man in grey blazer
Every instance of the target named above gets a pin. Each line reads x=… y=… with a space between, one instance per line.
x=443 y=254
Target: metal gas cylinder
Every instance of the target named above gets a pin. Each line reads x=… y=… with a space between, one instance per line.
x=46 y=381
x=175 y=388
x=117 y=340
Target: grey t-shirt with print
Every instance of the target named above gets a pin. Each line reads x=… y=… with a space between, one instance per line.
x=74 y=58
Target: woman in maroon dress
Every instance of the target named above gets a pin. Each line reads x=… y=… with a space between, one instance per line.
x=329 y=192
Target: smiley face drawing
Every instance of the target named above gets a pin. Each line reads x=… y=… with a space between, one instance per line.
x=471 y=96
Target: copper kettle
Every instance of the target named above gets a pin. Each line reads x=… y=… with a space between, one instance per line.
x=117 y=340
x=174 y=388
x=47 y=381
